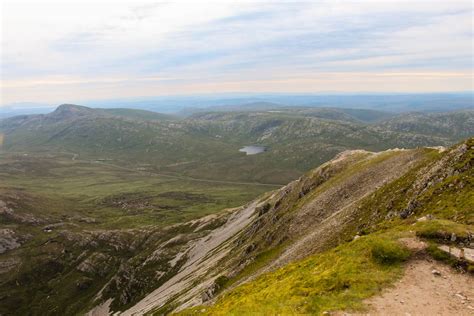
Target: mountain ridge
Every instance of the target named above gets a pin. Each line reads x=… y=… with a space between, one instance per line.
x=287 y=207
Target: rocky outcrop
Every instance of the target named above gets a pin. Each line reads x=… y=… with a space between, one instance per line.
x=9 y=214
x=8 y=240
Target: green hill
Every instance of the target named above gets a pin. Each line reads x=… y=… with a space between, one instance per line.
x=454 y=125
x=207 y=145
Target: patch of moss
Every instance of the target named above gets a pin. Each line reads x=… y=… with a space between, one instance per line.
x=441 y=255
x=388 y=252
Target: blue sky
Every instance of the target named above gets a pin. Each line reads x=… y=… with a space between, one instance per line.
x=72 y=50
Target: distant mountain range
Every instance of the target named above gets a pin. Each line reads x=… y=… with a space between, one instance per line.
x=186 y=105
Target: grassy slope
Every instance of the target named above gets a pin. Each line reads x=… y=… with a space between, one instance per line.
x=341 y=277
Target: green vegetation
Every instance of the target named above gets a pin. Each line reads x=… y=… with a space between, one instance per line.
x=437 y=124
x=437 y=232
x=260 y=261
x=440 y=255
x=334 y=280
x=389 y=252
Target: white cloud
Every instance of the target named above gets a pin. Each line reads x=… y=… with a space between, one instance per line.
x=165 y=47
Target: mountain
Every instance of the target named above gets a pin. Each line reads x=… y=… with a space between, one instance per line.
x=139 y=114
x=326 y=240
x=395 y=102
x=206 y=145
x=251 y=106
x=338 y=114
x=185 y=105
x=458 y=124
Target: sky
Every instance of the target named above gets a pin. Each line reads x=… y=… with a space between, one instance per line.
x=65 y=50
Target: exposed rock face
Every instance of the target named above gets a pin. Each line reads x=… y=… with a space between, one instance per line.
x=95 y=264
x=203 y=260
x=210 y=292
x=4 y=209
x=435 y=173
x=327 y=201
x=8 y=264
x=8 y=240
x=69 y=111
x=9 y=214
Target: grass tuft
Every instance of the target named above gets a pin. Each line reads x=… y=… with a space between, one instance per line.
x=388 y=252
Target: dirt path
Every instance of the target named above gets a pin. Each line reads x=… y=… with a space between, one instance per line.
x=422 y=292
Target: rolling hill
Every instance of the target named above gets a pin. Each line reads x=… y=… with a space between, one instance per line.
x=206 y=144
x=454 y=125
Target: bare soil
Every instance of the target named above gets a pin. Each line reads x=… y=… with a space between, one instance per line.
x=422 y=292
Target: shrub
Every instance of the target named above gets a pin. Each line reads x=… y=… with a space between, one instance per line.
x=440 y=255
x=221 y=281
x=263 y=209
x=388 y=252
x=445 y=257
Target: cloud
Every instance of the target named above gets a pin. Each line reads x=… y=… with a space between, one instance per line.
x=165 y=47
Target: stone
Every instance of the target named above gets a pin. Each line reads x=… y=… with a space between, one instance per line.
x=8 y=240
x=461 y=296
x=453 y=237
x=436 y=272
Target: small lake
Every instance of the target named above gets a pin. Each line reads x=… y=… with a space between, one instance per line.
x=253 y=150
